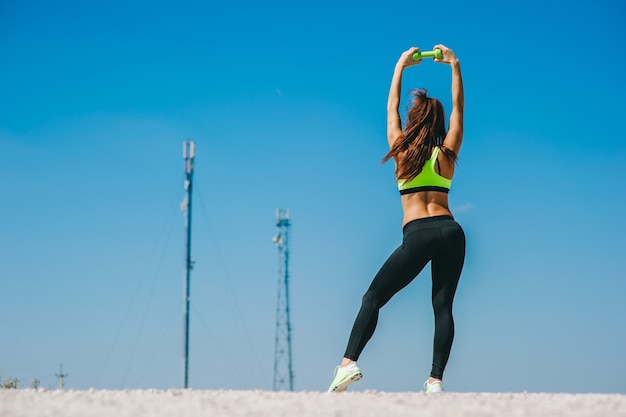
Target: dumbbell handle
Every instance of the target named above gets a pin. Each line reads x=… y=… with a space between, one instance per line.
x=427 y=54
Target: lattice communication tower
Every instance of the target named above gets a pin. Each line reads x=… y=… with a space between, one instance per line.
x=283 y=370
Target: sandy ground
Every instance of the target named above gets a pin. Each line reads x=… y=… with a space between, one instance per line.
x=182 y=403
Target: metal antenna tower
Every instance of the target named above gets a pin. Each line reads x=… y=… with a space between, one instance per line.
x=61 y=377
x=283 y=371
x=189 y=148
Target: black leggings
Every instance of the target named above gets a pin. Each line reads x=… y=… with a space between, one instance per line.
x=439 y=239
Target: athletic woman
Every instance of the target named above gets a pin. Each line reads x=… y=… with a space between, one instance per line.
x=425 y=156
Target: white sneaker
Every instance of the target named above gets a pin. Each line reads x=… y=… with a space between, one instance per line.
x=434 y=387
x=344 y=376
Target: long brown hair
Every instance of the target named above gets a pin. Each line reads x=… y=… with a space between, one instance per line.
x=425 y=128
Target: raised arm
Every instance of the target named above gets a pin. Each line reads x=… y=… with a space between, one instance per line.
x=454 y=137
x=394 y=123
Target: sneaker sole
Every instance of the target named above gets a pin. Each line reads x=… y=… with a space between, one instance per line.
x=343 y=385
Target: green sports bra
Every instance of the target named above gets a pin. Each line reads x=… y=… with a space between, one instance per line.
x=427 y=180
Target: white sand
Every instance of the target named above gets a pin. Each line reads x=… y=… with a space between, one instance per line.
x=182 y=403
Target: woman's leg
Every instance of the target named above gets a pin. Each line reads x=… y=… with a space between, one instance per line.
x=397 y=272
x=446 y=271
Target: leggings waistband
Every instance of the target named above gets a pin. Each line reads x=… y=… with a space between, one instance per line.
x=427 y=220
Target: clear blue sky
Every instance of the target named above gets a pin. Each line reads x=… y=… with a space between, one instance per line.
x=286 y=103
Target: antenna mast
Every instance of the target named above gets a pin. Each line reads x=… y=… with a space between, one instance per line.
x=283 y=371
x=61 y=377
x=189 y=148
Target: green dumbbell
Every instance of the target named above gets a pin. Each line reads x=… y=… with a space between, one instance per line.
x=427 y=54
